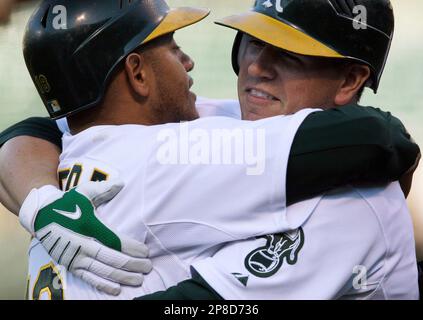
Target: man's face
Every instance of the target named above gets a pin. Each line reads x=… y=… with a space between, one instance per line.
x=171 y=88
x=275 y=82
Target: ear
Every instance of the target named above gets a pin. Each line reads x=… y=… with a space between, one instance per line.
x=356 y=76
x=137 y=75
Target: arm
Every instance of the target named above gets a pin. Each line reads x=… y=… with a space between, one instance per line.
x=391 y=142
x=195 y=288
x=371 y=144
x=311 y=262
x=349 y=145
x=339 y=173
x=330 y=149
x=28 y=159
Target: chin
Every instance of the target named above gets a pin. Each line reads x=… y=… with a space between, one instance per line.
x=194 y=116
x=190 y=114
x=193 y=110
x=254 y=117
x=259 y=113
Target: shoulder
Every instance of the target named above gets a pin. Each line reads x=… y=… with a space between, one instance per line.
x=112 y=142
x=346 y=213
x=354 y=202
x=374 y=216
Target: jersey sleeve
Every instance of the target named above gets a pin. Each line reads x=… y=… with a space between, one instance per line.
x=348 y=145
x=326 y=258
x=214 y=191
x=43 y=128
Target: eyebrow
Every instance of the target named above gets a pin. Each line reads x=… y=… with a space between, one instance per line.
x=292 y=55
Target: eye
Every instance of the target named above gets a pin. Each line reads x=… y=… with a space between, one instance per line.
x=176 y=49
x=173 y=45
x=291 y=57
x=256 y=43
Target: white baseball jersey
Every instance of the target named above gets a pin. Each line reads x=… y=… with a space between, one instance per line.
x=348 y=244
x=188 y=190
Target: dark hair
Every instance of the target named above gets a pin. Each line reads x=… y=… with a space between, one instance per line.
x=343 y=63
x=360 y=92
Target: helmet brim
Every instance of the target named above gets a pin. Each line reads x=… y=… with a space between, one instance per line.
x=177 y=18
x=278 y=34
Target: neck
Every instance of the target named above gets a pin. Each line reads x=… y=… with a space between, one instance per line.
x=119 y=113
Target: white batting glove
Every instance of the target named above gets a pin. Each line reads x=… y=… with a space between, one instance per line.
x=66 y=225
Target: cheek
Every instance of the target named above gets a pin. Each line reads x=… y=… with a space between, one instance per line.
x=245 y=59
x=177 y=79
x=173 y=71
x=294 y=95
x=309 y=94
x=241 y=83
x=241 y=80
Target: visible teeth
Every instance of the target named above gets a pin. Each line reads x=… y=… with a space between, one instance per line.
x=260 y=94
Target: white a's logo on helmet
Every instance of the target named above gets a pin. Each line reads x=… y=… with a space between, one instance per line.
x=278 y=5
x=60 y=20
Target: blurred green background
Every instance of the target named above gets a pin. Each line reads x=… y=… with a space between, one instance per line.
x=401 y=92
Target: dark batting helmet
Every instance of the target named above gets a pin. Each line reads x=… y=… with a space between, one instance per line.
x=72 y=47
x=359 y=30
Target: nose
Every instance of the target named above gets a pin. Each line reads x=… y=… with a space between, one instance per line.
x=262 y=66
x=187 y=62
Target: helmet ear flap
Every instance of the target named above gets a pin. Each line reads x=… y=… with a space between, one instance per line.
x=235 y=52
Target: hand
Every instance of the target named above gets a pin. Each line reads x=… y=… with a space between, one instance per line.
x=66 y=225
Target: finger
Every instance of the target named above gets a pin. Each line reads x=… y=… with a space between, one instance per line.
x=43 y=233
x=67 y=253
x=119 y=276
x=134 y=248
x=100 y=284
x=122 y=261
x=58 y=250
x=47 y=240
x=100 y=192
x=139 y=265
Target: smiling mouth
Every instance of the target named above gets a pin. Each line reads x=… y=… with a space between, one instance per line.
x=261 y=95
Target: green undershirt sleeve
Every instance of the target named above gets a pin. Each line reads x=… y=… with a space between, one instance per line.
x=347 y=145
x=37 y=127
x=195 y=288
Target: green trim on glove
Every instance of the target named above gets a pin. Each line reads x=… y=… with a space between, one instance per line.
x=84 y=221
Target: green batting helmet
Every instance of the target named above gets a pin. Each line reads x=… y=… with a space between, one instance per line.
x=360 y=30
x=72 y=47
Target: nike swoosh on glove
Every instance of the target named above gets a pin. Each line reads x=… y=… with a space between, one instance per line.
x=66 y=225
